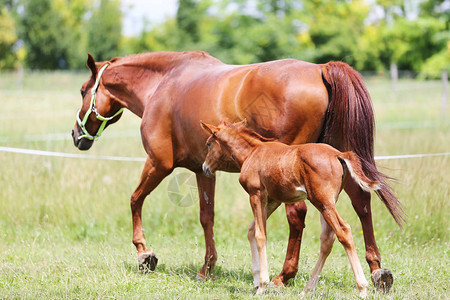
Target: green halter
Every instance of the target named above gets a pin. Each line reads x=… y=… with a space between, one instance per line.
x=92 y=108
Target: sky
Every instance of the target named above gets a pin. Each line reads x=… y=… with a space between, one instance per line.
x=156 y=11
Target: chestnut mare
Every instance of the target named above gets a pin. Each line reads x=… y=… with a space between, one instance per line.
x=273 y=173
x=293 y=101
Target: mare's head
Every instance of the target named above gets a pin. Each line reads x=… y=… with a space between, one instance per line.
x=218 y=152
x=99 y=108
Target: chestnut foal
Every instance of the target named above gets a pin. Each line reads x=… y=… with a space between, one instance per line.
x=273 y=173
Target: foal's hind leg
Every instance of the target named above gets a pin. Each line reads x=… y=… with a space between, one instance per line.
x=206 y=194
x=327 y=238
x=382 y=278
x=151 y=176
x=295 y=214
x=344 y=235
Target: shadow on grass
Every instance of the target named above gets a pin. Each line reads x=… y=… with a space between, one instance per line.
x=236 y=281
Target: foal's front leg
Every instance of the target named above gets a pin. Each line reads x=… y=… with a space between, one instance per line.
x=271 y=207
x=258 y=202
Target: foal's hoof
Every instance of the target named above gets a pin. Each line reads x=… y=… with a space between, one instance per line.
x=147 y=261
x=260 y=291
x=382 y=280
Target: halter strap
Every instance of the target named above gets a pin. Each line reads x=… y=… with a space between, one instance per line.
x=82 y=123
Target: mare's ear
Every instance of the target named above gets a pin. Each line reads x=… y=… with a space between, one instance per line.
x=91 y=65
x=210 y=128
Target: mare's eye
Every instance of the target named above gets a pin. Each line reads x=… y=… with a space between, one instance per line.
x=83 y=93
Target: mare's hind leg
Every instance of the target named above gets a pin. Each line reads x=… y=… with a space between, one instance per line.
x=151 y=176
x=344 y=235
x=295 y=214
x=382 y=278
x=327 y=238
x=206 y=194
x=271 y=207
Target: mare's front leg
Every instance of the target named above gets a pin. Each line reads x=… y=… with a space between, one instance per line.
x=258 y=202
x=327 y=238
x=206 y=194
x=295 y=214
x=381 y=278
x=271 y=207
x=152 y=175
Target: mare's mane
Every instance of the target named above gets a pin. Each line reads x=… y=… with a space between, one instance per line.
x=163 y=59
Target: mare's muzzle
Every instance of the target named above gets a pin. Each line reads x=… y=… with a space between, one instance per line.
x=81 y=143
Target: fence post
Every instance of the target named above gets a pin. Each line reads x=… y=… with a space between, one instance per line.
x=444 y=93
x=394 y=76
x=20 y=77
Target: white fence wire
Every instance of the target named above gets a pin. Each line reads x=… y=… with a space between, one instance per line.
x=141 y=159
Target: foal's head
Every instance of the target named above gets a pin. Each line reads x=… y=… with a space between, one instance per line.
x=98 y=110
x=236 y=135
x=217 y=153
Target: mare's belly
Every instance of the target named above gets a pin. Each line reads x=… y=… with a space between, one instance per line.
x=294 y=195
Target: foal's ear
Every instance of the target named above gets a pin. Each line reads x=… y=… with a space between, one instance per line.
x=91 y=65
x=210 y=128
x=244 y=122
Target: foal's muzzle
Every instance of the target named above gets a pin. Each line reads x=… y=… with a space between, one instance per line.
x=207 y=170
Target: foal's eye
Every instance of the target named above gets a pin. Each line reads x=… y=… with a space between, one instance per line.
x=208 y=144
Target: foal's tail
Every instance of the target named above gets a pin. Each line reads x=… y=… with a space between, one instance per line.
x=354 y=166
x=350 y=125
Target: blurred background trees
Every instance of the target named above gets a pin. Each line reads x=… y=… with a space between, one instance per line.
x=370 y=35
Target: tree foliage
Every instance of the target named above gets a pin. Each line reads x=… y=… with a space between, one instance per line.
x=370 y=35
x=44 y=33
x=104 y=30
x=8 y=38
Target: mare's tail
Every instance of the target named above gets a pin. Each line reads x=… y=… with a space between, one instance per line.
x=350 y=125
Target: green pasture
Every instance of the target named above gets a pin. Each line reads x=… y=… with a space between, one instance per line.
x=65 y=223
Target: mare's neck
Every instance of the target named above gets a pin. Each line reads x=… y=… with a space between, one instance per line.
x=241 y=147
x=132 y=80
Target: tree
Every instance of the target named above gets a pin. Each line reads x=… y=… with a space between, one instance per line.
x=44 y=34
x=439 y=61
x=188 y=15
x=8 y=38
x=52 y=33
x=334 y=28
x=105 y=30
x=73 y=13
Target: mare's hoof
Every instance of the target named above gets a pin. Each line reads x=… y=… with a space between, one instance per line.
x=277 y=282
x=382 y=280
x=147 y=261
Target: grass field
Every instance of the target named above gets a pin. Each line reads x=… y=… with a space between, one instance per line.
x=65 y=224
